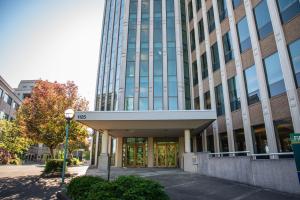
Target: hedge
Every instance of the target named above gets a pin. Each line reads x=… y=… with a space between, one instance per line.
x=53 y=165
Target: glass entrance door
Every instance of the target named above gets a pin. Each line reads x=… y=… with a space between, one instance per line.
x=165 y=154
x=135 y=152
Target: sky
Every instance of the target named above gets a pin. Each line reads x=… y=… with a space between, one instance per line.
x=55 y=40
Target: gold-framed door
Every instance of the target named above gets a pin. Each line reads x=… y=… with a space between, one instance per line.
x=165 y=155
x=135 y=155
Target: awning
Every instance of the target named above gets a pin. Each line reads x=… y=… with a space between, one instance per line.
x=147 y=123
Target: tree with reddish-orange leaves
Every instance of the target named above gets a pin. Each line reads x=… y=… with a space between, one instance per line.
x=41 y=117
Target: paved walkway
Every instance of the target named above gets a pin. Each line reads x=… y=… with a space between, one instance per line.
x=187 y=186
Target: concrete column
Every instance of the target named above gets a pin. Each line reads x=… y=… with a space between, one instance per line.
x=179 y=55
x=150 y=152
x=204 y=141
x=119 y=149
x=137 y=58
x=286 y=66
x=151 y=57
x=91 y=150
x=104 y=146
x=181 y=151
x=123 y=59
x=194 y=144
x=260 y=71
x=228 y=117
x=241 y=79
x=187 y=141
x=109 y=146
x=199 y=68
x=96 y=148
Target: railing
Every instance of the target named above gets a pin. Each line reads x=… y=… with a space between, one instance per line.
x=254 y=156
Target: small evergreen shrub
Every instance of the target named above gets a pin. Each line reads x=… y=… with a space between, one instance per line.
x=79 y=187
x=53 y=165
x=73 y=162
x=15 y=161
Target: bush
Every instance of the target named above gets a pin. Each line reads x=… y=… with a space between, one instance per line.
x=124 y=188
x=73 y=161
x=15 y=161
x=79 y=187
x=53 y=165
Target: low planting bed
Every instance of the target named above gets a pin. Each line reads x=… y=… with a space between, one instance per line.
x=123 y=188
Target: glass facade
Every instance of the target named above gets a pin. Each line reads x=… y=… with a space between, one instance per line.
x=294 y=56
x=239 y=140
x=234 y=93
x=260 y=139
x=251 y=85
x=228 y=50
x=274 y=75
x=195 y=73
x=236 y=3
x=198 y=4
x=222 y=7
x=204 y=66
x=288 y=9
x=192 y=40
x=215 y=56
x=207 y=102
x=211 y=20
x=223 y=142
x=197 y=103
x=219 y=100
x=263 y=20
x=243 y=34
x=201 y=31
x=283 y=128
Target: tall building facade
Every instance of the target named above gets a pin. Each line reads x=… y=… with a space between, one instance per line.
x=238 y=59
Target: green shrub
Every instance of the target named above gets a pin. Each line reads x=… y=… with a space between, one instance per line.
x=53 y=165
x=124 y=188
x=79 y=187
x=73 y=162
x=15 y=161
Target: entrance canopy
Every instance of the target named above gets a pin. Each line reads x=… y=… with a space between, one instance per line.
x=147 y=123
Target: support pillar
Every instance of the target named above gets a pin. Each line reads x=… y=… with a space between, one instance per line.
x=103 y=158
x=187 y=141
x=96 y=148
x=119 y=145
x=204 y=141
x=150 y=151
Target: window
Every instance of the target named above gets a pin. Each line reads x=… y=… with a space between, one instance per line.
x=199 y=5
x=261 y=143
x=239 y=139
x=190 y=6
x=210 y=20
x=173 y=105
x=215 y=56
x=143 y=103
x=228 y=50
x=274 y=75
x=204 y=66
x=7 y=99
x=234 y=94
x=158 y=86
x=252 y=85
x=201 y=30
x=192 y=38
x=288 y=9
x=283 y=128
x=243 y=33
x=144 y=86
x=210 y=143
x=262 y=19
x=158 y=103
x=1 y=92
x=295 y=59
x=222 y=9
x=129 y=103
x=224 y=142
x=219 y=100
x=236 y=3
x=195 y=73
x=207 y=102
x=197 y=103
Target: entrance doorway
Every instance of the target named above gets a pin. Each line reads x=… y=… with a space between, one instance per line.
x=135 y=152
x=165 y=154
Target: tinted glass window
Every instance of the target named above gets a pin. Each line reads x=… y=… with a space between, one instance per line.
x=190 y=6
x=294 y=49
x=158 y=85
x=215 y=57
x=263 y=21
x=173 y=105
x=199 y=5
x=144 y=86
x=252 y=85
x=129 y=103
x=201 y=30
x=204 y=66
x=192 y=38
x=210 y=19
x=143 y=104
x=239 y=139
x=228 y=50
x=195 y=73
x=283 y=129
x=1 y=92
x=274 y=75
x=234 y=94
x=207 y=102
x=236 y=3
x=219 y=100
x=244 y=37
x=196 y=103
x=288 y=9
x=158 y=103
x=222 y=9
x=261 y=143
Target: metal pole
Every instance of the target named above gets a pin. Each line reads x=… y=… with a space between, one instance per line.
x=65 y=153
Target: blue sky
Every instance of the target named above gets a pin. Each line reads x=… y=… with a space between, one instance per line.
x=55 y=40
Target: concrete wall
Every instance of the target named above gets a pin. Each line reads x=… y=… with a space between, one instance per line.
x=278 y=174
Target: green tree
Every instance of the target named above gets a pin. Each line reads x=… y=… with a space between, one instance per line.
x=11 y=138
x=41 y=117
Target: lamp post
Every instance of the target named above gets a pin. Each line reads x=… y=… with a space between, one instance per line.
x=69 y=114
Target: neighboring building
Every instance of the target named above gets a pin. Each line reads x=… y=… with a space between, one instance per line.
x=25 y=88
x=9 y=101
x=182 y=76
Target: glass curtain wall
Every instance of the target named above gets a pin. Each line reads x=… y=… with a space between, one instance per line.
x=172 y=66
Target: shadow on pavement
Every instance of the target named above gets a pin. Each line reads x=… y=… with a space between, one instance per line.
x=28 y=187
